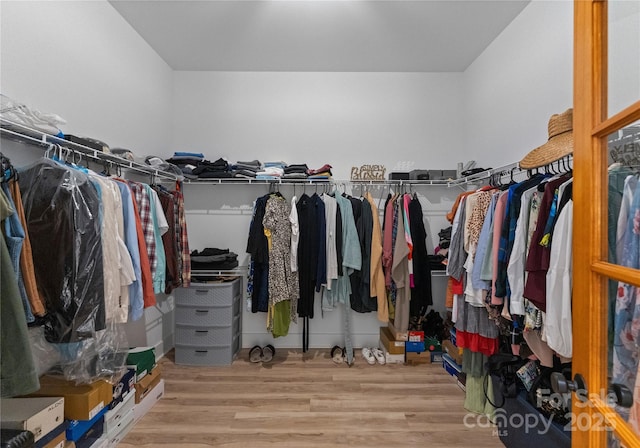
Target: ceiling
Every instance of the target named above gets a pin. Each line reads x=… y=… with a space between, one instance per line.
x=319 y=35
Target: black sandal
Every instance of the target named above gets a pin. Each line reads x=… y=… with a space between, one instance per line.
x=337 y=354
x=267 y=353
x=255 y=354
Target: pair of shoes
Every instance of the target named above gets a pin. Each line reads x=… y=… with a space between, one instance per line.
x=262 y=354
x=373 y=355
x=338 y=354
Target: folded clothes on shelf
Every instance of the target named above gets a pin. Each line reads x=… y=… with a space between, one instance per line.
x=213 y=259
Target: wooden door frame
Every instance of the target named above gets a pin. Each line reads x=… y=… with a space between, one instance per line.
x=590 y=270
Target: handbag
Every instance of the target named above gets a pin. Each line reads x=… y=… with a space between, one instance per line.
x=503 y=367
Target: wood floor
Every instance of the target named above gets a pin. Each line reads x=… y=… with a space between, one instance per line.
x=308 y=401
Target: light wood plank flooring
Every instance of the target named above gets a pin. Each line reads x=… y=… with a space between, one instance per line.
x=308 y=401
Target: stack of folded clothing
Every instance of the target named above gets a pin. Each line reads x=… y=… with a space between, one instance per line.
x=298 y=171
x=322 y=173
x=213 y=259
x=246 y=169
x=213 y=170
x=187 y=162
x=271 y=171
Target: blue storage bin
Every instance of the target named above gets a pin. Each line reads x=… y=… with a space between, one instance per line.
x=417 y=347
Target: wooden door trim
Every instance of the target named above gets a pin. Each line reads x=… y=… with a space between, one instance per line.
x=617 y=272
x=623 y=118
x=589 y=195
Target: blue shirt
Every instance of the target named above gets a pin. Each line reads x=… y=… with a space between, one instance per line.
x=136 y=301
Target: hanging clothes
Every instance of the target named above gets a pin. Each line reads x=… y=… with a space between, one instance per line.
x=111 y=203
x=182 y=238
x=169 y=241
x=283 y=283
x=63 y=202
x=14 y=235
x=421 y=297
x=400 y=273
x=258 y=249
x=27 y=272
x=625 y=361
x=136 y=300
x=307 y=254
x=18 y=375
x=377 y=282
x=538 y=257
x=361 y=299
x=160 y=227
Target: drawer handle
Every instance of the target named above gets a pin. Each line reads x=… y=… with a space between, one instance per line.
x=203 y=291
x=202 y=351
x=202 y=331
x=202 y=311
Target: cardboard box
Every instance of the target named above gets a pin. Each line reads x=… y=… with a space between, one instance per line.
x=391 y=358
x=92 y=435
x=119 y=432
x=78 y=428
x=388 y=343
x=52 y=440
x=416 y=336
x=38 y=415
x=417 y=347
x=436 y=356
x=81 y=402
x=142 y=360
x=122 y=388
x=418 y=358
x=397 y=336
x=115 y=415
x=57 y=442
x=141 y=409
x=146 y=384
x=452 y=350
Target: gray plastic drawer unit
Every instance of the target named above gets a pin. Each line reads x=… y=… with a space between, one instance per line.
x=208 y=323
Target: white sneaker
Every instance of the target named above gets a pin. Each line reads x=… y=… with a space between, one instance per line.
x=368 y=355
x=379 y=355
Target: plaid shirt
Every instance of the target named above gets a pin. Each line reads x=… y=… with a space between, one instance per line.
x=183 y=240
x=144 y=210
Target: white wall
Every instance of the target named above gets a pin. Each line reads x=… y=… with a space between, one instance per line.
x=518 y=82
x=82 y=60
x=344 y=119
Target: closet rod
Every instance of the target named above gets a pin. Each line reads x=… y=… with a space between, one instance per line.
x=44 y=139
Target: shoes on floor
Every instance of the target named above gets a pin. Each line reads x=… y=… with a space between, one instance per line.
x=338 y=355
x=367 y=354
x=379 y=355
x=373 y=355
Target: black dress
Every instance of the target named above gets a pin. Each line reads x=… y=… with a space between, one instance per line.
x=421 y=297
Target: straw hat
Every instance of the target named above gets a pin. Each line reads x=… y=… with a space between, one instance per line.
x=559 y=145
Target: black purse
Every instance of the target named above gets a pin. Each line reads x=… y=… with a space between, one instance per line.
x=503 y=367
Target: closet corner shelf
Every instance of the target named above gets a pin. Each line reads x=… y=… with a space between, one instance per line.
x=483 y=175
x=25 y=134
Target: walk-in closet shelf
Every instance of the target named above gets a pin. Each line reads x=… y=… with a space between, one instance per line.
x=22 y=133
x=502 y=171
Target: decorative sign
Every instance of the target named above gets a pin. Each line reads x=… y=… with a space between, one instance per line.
x=627 y=153
x=368 y=172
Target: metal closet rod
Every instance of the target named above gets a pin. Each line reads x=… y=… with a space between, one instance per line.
x=48 y=140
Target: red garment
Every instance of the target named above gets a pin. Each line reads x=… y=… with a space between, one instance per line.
x=148 y=296
x=477 y=343
x=457 y=286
